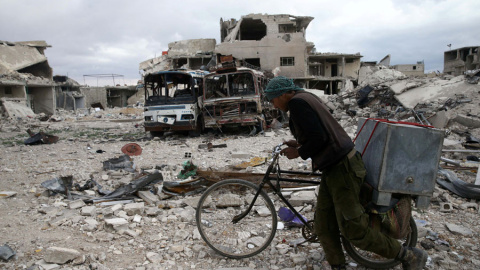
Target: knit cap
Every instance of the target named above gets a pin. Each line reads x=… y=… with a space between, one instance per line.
x=279 y=86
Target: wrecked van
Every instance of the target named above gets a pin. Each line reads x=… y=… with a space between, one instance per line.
x=172 y=102
x=235 y=97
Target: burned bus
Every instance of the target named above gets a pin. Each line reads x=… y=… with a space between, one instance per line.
x=172 y=102
x=235 y=97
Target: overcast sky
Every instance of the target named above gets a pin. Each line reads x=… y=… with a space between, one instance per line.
x=113 y=37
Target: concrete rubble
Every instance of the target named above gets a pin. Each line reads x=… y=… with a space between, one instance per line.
x=155 y=230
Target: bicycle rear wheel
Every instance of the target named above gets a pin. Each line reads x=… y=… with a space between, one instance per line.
x=372 y=260
x=220 y=204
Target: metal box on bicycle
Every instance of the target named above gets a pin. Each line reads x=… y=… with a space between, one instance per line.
x=400 y=158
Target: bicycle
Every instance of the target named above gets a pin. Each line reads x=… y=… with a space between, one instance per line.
x=237 y=218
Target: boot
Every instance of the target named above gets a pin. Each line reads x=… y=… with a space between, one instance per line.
x=412 y=258
x=338 y=267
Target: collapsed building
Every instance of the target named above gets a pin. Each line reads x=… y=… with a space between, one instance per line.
x=189 y=54
x=26 y=78
x=28 y=87
x=69 y=96
x=278 y=43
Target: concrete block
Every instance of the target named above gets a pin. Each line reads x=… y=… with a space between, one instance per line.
x=134 y=208
x=467 y=121
x=89 y=211
x=240 y=154
x=148 y=197
x=76 y=204
x=60 y=255
x=302 y=197
x=117 y=224
x=446 y=207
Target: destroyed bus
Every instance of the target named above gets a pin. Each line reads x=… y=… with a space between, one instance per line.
x=172 y=102
x=234 y=97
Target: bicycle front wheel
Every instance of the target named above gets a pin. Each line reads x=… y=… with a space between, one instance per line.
x=223 y=201
x=374 y=261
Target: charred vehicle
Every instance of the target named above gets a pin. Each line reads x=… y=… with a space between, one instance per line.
x=172 y=102
x=234 y=97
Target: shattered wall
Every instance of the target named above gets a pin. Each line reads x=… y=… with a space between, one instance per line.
x=42 y=99
x=95 y=95
x=271 y=40
x=186 y=54
x=118 y=96
x=12 y=91
x=191 y=47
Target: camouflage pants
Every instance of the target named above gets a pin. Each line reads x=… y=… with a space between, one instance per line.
x=338 y=210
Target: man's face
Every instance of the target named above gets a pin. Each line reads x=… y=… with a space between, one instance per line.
x=280 y=102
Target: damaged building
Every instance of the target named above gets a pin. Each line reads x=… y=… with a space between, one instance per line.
x=457 y=61
x=274 y=44
x=277 y=43
x=416 y=70
x=189 y=54
x=69 y=96
x=26 y=78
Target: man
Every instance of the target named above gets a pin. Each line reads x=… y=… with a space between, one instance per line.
x=319 y=136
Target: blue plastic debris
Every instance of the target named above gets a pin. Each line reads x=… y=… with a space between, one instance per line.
x=287 y=216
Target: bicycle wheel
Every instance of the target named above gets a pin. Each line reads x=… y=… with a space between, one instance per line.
x=372 y=260
x=223 y=201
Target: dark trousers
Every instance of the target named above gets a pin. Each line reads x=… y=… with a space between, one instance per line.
x=338 y=210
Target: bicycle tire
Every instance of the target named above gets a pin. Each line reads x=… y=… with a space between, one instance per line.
x=374 y=261
x=216 y=209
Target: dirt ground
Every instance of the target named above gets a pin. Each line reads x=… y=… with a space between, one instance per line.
x=165 y=236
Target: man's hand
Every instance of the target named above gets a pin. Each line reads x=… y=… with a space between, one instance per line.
x=291 y=143
x=290 y=152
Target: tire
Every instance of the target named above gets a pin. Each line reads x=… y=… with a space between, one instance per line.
x=374 y=261
x=216 y=209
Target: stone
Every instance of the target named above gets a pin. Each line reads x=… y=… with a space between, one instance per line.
x=154 y=257
x=148 y=197
x=116 y=224
x=134 y=208
x=88 y=211
x=457 y=229
x=176 y=248
x=302 y=197
x=240 y=155
x=76 y=204
x=60 y=255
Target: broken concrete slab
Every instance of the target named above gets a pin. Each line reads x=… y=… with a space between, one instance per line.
x=403 y=86
x=302 y=197
x=116 y=224
x=134 y=208
x=467 y=121
x=433 y=91
x=457 y=229
x=16 y=109
x=148 y=197
x=60 y=255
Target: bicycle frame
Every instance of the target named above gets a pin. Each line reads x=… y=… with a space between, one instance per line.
x=274 y=167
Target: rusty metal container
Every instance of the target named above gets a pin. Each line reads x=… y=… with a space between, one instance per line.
x=400 y=158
